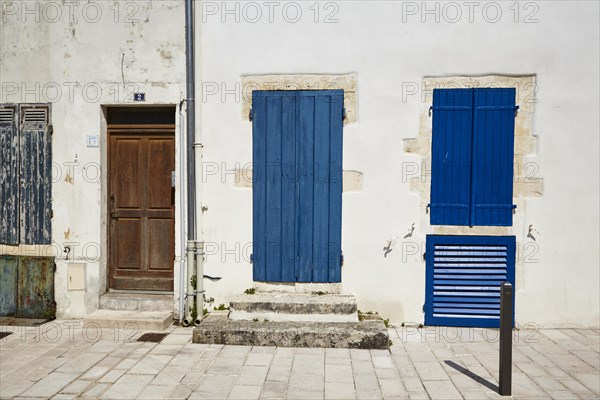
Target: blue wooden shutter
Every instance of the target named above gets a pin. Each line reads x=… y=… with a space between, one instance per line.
x=319 y=155
x=493 y=154
x=297 y=185
x=463 y=279
x=274 y=185
x=451 y=156
x=9 y=175
x=35 y=195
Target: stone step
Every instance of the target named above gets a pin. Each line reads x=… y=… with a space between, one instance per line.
x=136 y=301
x=278 y=306
x=218 y=329
x=122 y=319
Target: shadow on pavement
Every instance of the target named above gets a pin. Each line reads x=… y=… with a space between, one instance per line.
x=471 y=375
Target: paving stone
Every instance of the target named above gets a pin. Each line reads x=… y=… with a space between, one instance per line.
x=338 y=373
x=96 y=390
x=252 y=375
x=51 y=384
x=170 y=376
x=369 y=394
x=431 y=371
x=245 y=392
x=311 y=382
x=156 y=392
x=128 y=386
x=441 y=390
x=112 y=376
x=181 y=392
x=217 y=386
x=590 y=380
x=341 y=391
x=77 y=387
x=303 y=394
x=273 y=390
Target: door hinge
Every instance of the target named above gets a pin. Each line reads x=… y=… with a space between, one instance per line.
x=250 y=115
x=51 y=212
x=344 y=115
x=425 y=256
x=342 y=260
x=51 y=129
x=251 y=258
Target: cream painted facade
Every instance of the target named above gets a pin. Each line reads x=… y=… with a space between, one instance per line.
x=388 y=56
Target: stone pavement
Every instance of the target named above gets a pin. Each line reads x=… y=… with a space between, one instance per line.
x=62 y=360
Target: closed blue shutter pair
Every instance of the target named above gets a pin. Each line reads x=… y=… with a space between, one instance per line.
x=472 y=155
x=297 y=185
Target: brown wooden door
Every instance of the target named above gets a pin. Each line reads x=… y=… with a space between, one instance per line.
x=141 y=209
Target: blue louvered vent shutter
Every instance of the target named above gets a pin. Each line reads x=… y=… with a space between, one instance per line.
x=463 y=279
x=9 y=178
x=493 y=153
x=35 y=194
x=450 y=157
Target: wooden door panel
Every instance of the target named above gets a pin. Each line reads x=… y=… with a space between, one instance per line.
x=160 y=165
x=161 y=236
x=128 y=193
x=141 y=210
x=127 y=239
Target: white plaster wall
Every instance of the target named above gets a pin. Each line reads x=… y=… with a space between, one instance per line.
x=81 y=56
x=387 y=46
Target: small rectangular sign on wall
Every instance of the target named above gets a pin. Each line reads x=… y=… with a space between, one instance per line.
x=92 y=141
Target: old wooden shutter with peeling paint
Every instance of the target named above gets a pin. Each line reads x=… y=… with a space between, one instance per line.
x=9 y=175
x=35 y=191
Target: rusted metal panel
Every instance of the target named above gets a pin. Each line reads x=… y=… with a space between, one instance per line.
x=35 y=290
x=8 y=285
x=35 y=194
x=9 y=179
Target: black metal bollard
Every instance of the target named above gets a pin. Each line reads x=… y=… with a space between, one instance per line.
x=506 y=325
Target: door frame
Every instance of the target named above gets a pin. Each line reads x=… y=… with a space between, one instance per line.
x=158 y=129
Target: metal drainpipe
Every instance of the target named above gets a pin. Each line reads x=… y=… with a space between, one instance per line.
x=191 y=167
x=182 y=264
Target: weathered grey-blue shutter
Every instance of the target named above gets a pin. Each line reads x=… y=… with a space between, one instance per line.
x=9 y=175
x=35 y=192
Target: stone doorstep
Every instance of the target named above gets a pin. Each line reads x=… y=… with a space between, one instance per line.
x=298 y=287
x=141 y=320
x=294 y=307
x=218 y=329
x=136 y=301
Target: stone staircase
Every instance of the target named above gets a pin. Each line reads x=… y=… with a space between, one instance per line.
x=125 y=310
x=290 y=319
